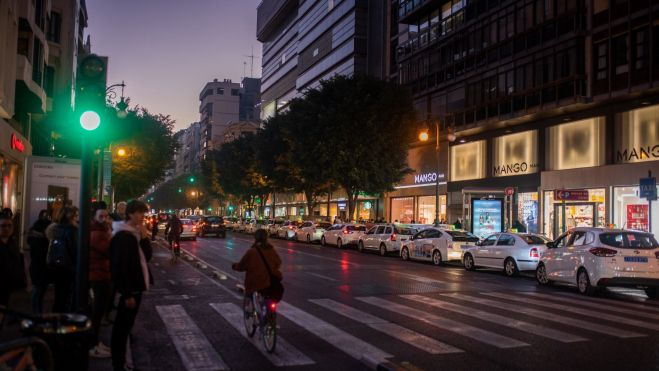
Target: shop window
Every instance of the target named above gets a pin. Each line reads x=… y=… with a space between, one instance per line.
x=632 y=212
x=586 y=213
x=637 y=135
x=576 y=144
x=402 y=209
x=426 y=209
x=527 y=211
x=602 y=58
x=515 y=154
x=619 y=55
x=468 y=161
x=640 y=51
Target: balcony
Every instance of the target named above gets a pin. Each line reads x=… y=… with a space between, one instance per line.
x=270 y=14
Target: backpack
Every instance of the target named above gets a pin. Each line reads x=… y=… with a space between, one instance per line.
x=59 y=256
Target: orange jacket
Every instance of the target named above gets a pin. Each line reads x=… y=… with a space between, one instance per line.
x=257 y=277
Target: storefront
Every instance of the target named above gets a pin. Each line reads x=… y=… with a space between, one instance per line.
x=414 y=200
x=14 y=149
x=294 y=206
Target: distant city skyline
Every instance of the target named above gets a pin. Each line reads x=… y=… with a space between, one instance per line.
x=166 y=50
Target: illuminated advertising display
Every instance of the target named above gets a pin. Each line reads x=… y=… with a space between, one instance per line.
x=486 y=217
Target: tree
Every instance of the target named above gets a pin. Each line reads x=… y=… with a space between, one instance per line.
x=177 y=194
x=365 y=124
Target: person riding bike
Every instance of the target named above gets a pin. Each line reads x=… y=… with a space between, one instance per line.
x=173 y=232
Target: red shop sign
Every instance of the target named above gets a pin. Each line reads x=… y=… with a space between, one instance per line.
x=16 y=143
x=571 y=195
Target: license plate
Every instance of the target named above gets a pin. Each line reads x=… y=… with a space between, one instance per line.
x=636 y=259
x=215 y=225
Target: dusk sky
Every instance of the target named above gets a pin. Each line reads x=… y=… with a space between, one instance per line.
x=166 y=50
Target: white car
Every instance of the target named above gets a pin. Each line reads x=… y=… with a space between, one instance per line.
x=437 y=245
x=287 y=229
x=510 y=251
x=311 y=231
x=385 y=238
x=594 y=258
x=273 y=227
x=189 y=230
x=343 y=234
x=241 y=225
x=254 y=225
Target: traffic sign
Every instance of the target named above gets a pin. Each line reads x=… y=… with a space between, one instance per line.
x=510 y=191
x=571 y=195
x=648 y=188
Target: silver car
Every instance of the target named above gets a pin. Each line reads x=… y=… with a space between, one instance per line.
x=385 y=238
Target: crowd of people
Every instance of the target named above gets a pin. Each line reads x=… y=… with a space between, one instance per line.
x=119 y=249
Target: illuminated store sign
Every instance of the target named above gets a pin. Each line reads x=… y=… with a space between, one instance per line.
x=516 y=154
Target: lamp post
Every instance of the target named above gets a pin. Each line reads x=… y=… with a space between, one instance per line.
x=424 y=136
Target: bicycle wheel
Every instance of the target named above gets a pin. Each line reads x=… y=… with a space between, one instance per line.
x=30 y=353
x=270 y=332
x=249 y=316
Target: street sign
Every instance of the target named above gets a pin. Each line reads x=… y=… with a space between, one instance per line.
x=510 y=191
x=648 y=188
x=571 y=195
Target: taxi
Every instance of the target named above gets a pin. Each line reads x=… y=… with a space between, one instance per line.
x=437 y=245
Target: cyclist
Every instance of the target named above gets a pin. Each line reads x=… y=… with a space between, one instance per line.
x=257 y=277
x=173 y=232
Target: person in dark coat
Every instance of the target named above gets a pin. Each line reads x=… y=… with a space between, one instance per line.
x=100 y=280
x=130 y=250
x=39 y=271
x=65 y=230
x=12 y=272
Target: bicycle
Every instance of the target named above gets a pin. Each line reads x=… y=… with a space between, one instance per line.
x=261 y=312
x=25 y=353
x=175 y=247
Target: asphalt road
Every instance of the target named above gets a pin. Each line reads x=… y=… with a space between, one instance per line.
x=344 y=310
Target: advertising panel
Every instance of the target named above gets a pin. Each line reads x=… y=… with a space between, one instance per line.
x=515 y=154
x=637 y=217
x=486 y=217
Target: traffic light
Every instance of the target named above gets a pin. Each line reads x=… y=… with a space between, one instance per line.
x=191 y=179
x=91 y=81
x=230 y=208
x=180 y=190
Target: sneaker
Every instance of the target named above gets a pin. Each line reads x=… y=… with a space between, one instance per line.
x=104 y=348
x=96 y=352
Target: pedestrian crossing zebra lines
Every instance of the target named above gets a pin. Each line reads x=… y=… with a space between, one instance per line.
x=433 y=312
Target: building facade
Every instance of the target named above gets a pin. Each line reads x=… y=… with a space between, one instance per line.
x=250 y=100
x=219 y=106
x=544 y=97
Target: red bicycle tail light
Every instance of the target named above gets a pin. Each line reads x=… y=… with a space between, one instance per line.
x=534 y=253
x=393 y=237
x=273 y=306
x=603 y=252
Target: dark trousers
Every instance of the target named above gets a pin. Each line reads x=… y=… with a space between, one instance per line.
x=102 y=296
x=123 y=324
x=38 y=293
x=63 y=291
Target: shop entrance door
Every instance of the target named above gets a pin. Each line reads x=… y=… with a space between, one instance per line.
x=577 y=214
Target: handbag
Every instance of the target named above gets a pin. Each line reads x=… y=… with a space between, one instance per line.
x=276 y=290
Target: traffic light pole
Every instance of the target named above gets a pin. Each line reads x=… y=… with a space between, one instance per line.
x=82 y=268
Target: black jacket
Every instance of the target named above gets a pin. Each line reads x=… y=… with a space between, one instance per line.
x=12 y=271
x=39 y=272
x=125 y=264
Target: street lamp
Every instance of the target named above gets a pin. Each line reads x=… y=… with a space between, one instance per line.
x=121 y=152
x=122 y=105
x=424 y=136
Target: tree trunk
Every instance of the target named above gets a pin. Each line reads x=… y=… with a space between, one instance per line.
x=352 y=203
x=308 y=195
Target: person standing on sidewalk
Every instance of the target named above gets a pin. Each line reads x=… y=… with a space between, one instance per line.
x=63 y=236
x=119 y=214
x=39 y=271
x=12 y=273
x=130 y=250
x=100 y=279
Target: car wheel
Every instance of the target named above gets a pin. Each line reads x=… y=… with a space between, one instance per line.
x=405 y=254
x=322 y=241
x=541 y=275
x=339 y=243
x=308 y=239
x=583 y=283
x=360 y=246
x=468 y=262
x=383 y=249
x=437 y=258
x=652 y=292
x=510 y=267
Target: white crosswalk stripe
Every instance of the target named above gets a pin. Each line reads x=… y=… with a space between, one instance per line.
x=574 y=309
x=354 y=347
x=410 y=337
x=475 y=333
x=644 y=307
x=610 y=308
x=531 y=328
x=414 y=277
x=549 y=316
x=285 y=354
x=196 y=352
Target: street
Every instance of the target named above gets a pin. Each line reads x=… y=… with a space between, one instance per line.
x=346 y=310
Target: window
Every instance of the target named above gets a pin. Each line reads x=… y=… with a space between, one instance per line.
x=640 y=53
x=49 y=81
x=330 y=5
x=220 y=91
x=578 y=239
x=433 y=233
x=490 y=241
x=37 y=62
x=388 y=231
x=534 y=240
x=562 y=241
x=54 y=27
x=283 y=58
x=315 y=52
x=634 y=240
x=602 y=56
x=619 y=54
x=506 y=240
x=235 y=92
x=380 y=230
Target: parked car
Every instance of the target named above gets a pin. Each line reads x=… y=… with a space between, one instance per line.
x=311 y=231
x=230 y=222
x=211 y=224
x=273 y=227
x=437 y=245
x=255 y=225
x=189 y=230
x=344 y=234
x=241 y=225
x=595 y=258
x=287 y=229
x=163 y=218
x=511 y=252
x=385 y=238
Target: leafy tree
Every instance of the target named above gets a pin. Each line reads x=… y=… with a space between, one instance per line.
x=176 y=194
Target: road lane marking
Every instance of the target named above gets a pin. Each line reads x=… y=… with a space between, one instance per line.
x=210 y=265
x=410 y=337
x=572 y=309
x=635 y=313
x=537 y=330
x=196 y=352
x=323 y=277
x=483 y=336
x=549 y=316
x=639 y=306
x=416 y=278
x=354 y=347
x=285 y=354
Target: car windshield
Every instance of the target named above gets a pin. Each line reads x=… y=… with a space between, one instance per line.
x=356 y=228
x=462 y=236
x=213 y=219
x=532 y=239
x=629 y=240
x=405 y=231
x=323 y=225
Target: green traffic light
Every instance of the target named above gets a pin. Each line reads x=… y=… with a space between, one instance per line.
x=180 y=190
x=191 y=179
x=90 y=120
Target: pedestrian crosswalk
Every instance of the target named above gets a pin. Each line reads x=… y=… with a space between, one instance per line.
x=437 y=325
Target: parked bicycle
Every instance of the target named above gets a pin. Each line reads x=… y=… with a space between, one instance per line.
x=261 y=313
x=24 y=353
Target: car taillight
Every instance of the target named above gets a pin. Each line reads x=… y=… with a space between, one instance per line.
x=345 y=231
x=603 y=252
x=534 y=253
x=393 y=237
x=290 y=227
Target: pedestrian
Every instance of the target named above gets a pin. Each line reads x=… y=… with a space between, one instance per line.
x=154 y=228
x=8 y=213
x=457 y=224
x=62 y=255
x=12 y=272
x=39 y=271
x=173 y=232
x=119 y=214
x=100 y=279
x=130 y=251
x=16 y=221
